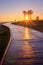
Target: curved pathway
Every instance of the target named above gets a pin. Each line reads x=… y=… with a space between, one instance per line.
x=26 y=46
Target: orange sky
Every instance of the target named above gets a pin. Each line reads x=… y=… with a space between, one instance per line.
x=17 y=17
x=11 y=10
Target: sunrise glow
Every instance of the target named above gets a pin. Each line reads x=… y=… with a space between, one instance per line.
x=26 y=17
x=11 y=10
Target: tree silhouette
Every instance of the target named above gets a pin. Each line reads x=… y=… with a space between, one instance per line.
x=30 y=13
x=37 y=18
x=24 y=12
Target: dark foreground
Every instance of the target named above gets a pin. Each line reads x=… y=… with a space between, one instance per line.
x=4 y=39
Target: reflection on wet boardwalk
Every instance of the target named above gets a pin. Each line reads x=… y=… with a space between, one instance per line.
x=23 y=52
x=26 y=47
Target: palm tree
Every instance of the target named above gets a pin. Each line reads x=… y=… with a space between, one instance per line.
x=30 y=13
x=24 y=12
x=37 y=18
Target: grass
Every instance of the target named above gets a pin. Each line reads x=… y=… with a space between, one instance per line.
x=4 y=39
x=36 y=25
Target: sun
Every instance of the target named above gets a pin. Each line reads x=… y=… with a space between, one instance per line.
x=26 y=17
